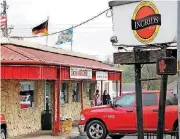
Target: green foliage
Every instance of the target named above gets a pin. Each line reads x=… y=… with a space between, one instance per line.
x=128 y=75
x=148 y=71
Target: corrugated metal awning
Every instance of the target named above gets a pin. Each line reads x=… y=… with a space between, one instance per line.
x=16 y=53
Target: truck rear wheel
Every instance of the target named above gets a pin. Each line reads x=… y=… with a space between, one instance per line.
x=96 y=130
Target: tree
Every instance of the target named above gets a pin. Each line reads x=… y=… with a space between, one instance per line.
x=109 y=61
x=148 y=71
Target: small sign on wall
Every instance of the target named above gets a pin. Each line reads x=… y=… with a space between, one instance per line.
x=101 y=76
x=80 y=73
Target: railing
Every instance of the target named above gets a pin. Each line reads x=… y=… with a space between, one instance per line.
x=169 y=135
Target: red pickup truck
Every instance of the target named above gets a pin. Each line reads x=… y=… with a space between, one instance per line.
x=3 y=134
x=119 y=118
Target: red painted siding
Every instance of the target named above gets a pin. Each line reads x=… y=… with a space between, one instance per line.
x=93 y=75
x=114 y=76
x=28 y=72
x=65 y=73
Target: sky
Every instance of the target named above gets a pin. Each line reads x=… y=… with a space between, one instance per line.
x=92 y=38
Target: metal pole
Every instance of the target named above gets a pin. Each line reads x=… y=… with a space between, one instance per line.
x=72 y=39
x=5 y=30
x=48 y=32
x=138 y=87
x=102 y=91
x=82 y=98
x=120 y=85
x=178 y=58
x=116 y=89
x=162 y=100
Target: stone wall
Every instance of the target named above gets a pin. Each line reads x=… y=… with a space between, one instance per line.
x=21 y=121
x=72 y=109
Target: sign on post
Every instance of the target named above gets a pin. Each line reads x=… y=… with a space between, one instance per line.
x=80 y=73
x=145 y=22
x=101 y=76
x=167 y=66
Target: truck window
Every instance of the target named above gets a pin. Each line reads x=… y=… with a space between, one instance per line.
x=149 y=99
x=126 y=101
x=171 y=99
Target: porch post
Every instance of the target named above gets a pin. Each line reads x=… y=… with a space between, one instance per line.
x=58 y=99
x=82 y=101
x=116 y=89
x=102 y=92
x=120 y=82
x=54 y=109
x=56 y=105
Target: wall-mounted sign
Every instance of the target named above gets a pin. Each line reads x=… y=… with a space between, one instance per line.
x=100 y=75
x=145 y=22
x=80 y=73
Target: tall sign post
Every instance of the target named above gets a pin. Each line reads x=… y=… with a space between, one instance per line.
x=165 y=66
x=178 y=58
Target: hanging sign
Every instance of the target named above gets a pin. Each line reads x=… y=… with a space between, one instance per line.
x=80 y=73
x=102 y=76
x=145 y=22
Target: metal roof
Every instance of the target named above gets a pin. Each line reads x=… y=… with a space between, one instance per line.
x=10 y=53
x=37 y=46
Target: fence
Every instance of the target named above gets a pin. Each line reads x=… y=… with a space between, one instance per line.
x=169 y=135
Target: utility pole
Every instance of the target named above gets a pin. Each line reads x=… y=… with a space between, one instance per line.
x=178 y=58
x=4 y=26
x=5 y=8
x=4 y=19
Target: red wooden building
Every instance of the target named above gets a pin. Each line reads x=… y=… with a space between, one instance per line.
x=26 y=66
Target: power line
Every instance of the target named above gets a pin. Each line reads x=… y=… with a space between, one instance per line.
x=82 y=23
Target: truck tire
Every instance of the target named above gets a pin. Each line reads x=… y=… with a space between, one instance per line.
x=96 y=130
x=116 y=136
x=3 y=134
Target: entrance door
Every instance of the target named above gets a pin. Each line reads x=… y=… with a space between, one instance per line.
x=48 y=89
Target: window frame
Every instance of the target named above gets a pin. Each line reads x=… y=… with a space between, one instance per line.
x=126 y=96
x=92 y=86
x=31 y=86
x=77 y=86
x=66 y=97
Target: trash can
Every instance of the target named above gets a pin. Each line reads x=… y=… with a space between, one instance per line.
x=46 y=120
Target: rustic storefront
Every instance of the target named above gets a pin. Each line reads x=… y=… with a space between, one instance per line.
x=35 y=78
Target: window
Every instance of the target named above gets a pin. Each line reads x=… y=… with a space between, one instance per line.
x=90 y=89
x=64 y=93
x=171 y=99
x=126 y=101
x=48 y=92
x=149 y=99
x=106 y=86
x=26 y=94
x=76 y=92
